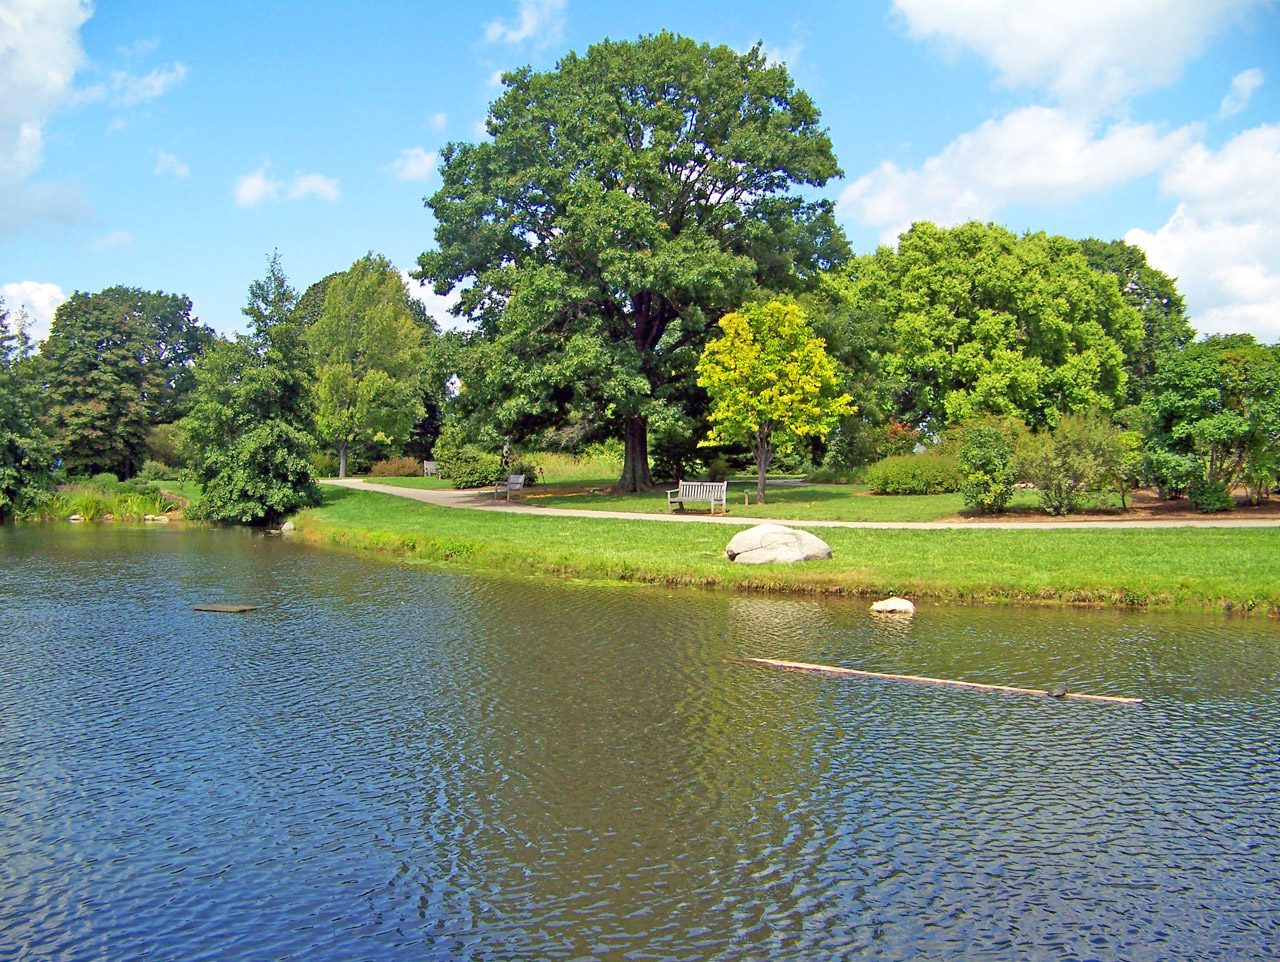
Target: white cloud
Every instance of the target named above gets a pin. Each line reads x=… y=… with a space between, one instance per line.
x=1033 y=155
x=253 y=189
x=414 y=164
x=257 y=187
x=495 y=78
x=1242 y=87
x=480 y=129
x=540 y=21
x=169 y=164
x=437 y=305
x=788 y=56
x=1223 y=240
x=438 y=121
x=129 y=90
x=38 y=300
x=40 y=53
x=117 y=238
x=1091 y=53
x=314 y=185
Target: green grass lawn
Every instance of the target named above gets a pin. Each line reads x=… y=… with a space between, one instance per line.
x=801 y=502
x=1216 y=568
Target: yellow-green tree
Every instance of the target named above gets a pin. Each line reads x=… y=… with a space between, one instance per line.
x=369 y=357
x=771 y=382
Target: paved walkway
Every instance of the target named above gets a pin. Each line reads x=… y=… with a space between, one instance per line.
x=478 y=500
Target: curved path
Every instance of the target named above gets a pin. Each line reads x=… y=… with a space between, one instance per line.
x=479 y=500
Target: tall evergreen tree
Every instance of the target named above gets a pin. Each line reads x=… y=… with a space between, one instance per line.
x=249 y=431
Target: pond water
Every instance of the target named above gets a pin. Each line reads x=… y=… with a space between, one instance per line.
x=391 y=762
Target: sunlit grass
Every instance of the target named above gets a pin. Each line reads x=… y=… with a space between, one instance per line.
x=805 y=502
x=1219 y=568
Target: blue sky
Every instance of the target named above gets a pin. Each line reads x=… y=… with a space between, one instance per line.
x=174 y=146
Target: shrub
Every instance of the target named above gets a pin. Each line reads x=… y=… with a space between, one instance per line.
x=1168 y=472
x=987 y=467
x=1209 y=496
x=523 y=465
x=397 y=468
x=156 y=471
x=1064 y=465
x=324 y=464
x=828 y=474
x=717 y=468
x=914 y=474
x=468 y=466
x=106 y=481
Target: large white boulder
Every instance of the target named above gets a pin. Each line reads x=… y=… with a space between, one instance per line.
x=893 y=606
x=775 y=542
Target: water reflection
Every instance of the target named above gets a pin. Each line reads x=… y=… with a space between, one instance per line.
x=390 y=762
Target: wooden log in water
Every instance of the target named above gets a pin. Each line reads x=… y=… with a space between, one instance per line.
x=830 y=669
x=227 y=609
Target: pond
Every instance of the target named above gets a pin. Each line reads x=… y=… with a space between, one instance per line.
x=392 y=762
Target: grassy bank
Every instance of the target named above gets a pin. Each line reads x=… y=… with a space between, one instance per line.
x=1206 y=569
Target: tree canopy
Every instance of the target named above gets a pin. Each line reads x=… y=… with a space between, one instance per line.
x=624 y=202
x=986 y=322
x=1154 y=295
x=771 y=382
x=249 y=429
x=1217 y=401
x=369 y=357
x=26 y=460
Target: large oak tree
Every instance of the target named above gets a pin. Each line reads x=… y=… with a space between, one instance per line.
x=623 y=203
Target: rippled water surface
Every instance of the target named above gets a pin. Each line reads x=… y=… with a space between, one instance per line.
x=388 y=762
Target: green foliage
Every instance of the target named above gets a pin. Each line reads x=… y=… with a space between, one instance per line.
x=1168 y=472
x=771 y=382
x=249 y=430
x=26 y=457
x=1154 y=295
x=1208 y=495
x=396 y=468
x=987 y=463
x=1217 y=401
x=986 y=322
x=914 y=474
x=469 y=466
x=115 y=363
x=156 y=471
x=324 y=464
x=717 y=468
x=105 y=480
x=622 y=202
x=1080 y=459
x=369 y=358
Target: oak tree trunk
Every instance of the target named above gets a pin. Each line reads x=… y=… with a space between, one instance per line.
x=635 y=464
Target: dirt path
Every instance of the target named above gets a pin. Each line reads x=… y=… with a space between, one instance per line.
x=480 y=500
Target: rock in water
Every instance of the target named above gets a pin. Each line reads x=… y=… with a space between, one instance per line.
x=767 y=543
x=893 y=606
x=288 y=526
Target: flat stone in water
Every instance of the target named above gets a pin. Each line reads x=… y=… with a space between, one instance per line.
x=227 y=609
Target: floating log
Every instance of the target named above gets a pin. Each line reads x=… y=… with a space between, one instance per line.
x=227 y=609
x=804 y=666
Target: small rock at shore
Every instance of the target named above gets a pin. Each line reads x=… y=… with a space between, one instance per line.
x=75 y=519
x=893 y=606
x=148 y=517
x=288 y=526
x=160 y=519
x=775 y=543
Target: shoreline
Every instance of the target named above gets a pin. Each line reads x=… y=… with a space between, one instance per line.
x=1133 y=568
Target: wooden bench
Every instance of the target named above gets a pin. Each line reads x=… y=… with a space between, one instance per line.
x=514 y=482
x=715 y=492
